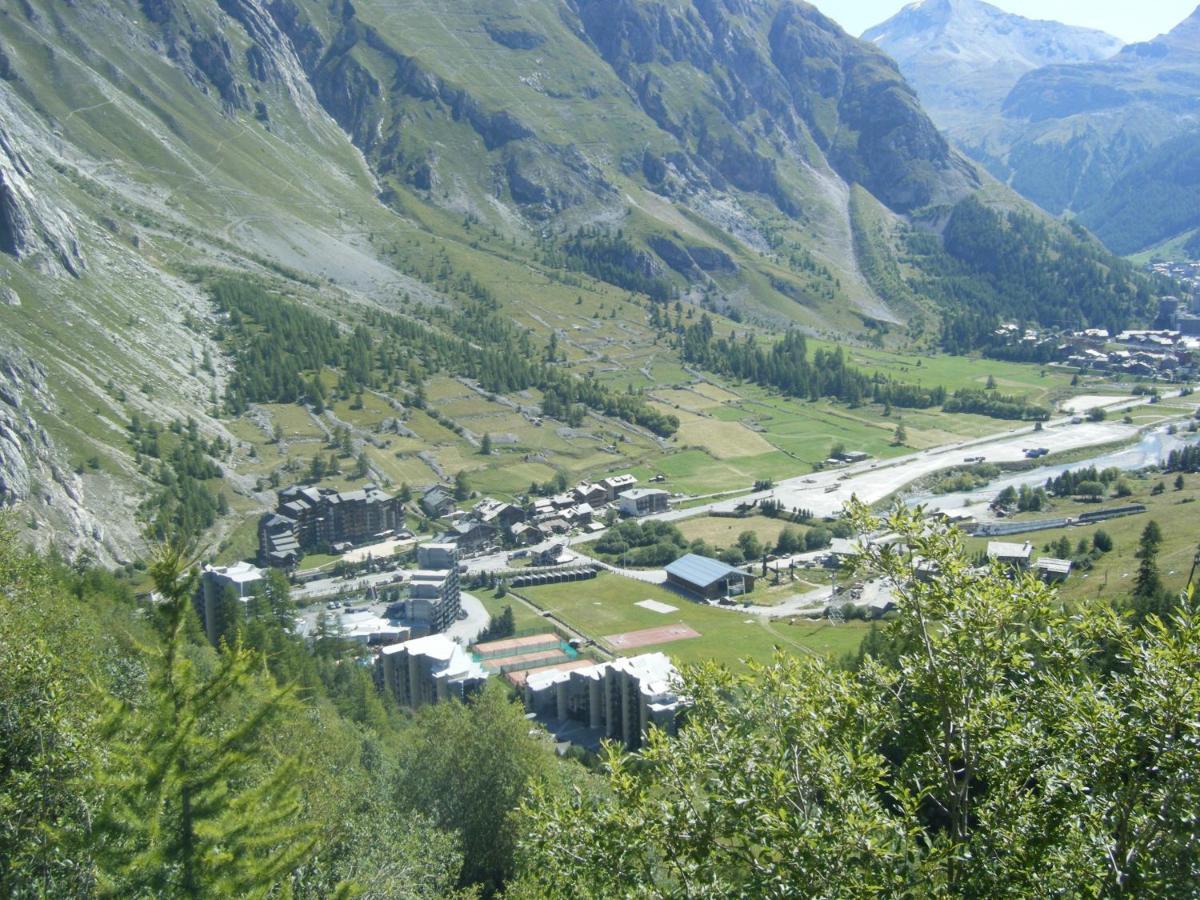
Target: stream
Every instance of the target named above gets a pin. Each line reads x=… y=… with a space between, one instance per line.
x=1151 y=450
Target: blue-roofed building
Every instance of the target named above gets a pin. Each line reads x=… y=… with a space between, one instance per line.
x=708 y=578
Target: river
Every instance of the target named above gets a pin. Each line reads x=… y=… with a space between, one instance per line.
x=1151 y=450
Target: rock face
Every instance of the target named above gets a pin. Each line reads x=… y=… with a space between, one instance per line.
x=29 y=226
x=31 y=472
x=964 y=56
x=811 y=87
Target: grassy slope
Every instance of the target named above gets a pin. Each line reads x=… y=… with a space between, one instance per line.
x=1113 y=574
x=166 y=186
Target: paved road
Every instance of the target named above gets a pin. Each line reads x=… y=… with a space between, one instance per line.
x=466 y=630
x=825 y=493
x=330 y=587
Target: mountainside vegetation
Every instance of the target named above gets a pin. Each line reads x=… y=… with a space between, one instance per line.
x=138 y=760
x=987 y=738
x=1154 y=200
x=510 y=196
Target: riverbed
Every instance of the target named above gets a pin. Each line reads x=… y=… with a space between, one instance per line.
x=1152 y=449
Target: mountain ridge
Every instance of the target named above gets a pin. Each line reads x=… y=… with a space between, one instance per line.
x=964 y=56
x=1069 y=134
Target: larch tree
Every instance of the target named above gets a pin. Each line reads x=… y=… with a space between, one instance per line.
x=198 y=801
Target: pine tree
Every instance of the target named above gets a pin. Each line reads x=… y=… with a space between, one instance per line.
x=485 y=445
x=197 y=804
x=462 y=487
x=1148 y=583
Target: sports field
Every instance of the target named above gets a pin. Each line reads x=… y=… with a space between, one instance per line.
x=607 y=606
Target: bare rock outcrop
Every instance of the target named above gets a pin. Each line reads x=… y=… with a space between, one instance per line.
x=31 y=226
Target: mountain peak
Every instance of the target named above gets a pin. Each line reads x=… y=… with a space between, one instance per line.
x=964 y=56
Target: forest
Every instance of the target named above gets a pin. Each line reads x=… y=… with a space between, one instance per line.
x=992 y=267
x=613 y=258
x=279 y=349
x=1185 y=459
x=996 y=405
x=786 y=366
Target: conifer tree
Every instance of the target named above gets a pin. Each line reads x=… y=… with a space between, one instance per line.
x=198 y=804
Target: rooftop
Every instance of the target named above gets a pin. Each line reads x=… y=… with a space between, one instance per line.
x=1052 y=564
x=1009 y=550
x=655 y=672
x=239 y=572
x=701 y=570
x=635 y=493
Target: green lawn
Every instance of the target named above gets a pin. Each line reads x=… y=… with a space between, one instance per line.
x=1177 y=514
x=606 y=606
x=721 y=531
x=524 y=618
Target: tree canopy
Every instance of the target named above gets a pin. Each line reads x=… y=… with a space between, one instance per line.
x=997 y=749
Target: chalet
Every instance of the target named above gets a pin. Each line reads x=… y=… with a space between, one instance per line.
x=471 y=536
x=1052 y=570
x=615 y=485
x=592 y=494
x=499 y=514
x=579 y=515
x=1016 y=556
x=554 y=555
x=437 y=502
x=527 y=533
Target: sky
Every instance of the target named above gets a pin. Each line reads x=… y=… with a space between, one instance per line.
x=1130 y=20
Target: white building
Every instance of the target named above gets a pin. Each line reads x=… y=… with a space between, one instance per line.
x=621 y=699
x=437 y=556
x=239 y=581
x=642 y=502
x=431 y=669
x=364 y=627
x=434 y=599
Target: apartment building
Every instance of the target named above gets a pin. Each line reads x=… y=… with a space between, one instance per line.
x=431 y=669
x=618 y=700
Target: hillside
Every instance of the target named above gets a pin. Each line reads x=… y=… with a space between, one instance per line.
x=1155 y=200
x=963 y=57
x=1075 y=138
x=459 y=188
